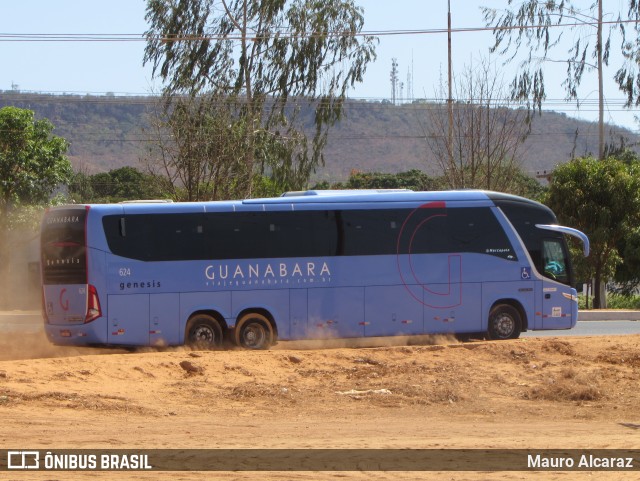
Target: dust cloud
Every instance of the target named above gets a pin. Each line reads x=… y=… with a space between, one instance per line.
x=368 y=342
x=19 y=346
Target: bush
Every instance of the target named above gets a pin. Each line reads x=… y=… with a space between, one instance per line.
x=614 y=301
x=619 y=301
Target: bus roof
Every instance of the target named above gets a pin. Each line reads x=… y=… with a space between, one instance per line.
x=310 y=197
x=370 y=195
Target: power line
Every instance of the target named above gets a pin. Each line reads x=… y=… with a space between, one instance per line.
x=137 y=37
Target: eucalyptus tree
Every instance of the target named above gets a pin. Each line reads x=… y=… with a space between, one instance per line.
x=267 y=59
x=538 y=28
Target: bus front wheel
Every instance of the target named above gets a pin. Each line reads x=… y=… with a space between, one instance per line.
x=505 y=322
x=254 y=331
x=204 y=332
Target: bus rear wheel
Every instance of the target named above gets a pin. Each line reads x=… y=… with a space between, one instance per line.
x=254 y=331
x=505 y=322
x=204 y=332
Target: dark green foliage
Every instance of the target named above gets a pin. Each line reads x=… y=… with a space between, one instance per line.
x=126 y=183
x=32 y=165
x=32 y=160
x=412 y=179
x=419 y=181
x=627 y=273
x=602 y=199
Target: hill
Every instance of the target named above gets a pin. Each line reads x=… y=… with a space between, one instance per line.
x=108 y=132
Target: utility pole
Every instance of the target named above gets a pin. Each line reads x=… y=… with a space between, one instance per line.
x=450 y=99
x=600 y=47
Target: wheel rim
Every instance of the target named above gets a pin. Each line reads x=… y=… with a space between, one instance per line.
x=254 y=335
x=504 y=325
x=203 y=335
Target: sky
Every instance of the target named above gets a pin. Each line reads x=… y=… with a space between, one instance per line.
x=116 y=66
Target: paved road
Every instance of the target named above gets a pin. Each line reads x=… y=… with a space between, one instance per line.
x=20 y=321
x=592 y=328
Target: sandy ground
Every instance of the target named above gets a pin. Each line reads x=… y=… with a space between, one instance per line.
x=426 y=393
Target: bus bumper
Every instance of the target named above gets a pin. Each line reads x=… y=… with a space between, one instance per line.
x=76 y=334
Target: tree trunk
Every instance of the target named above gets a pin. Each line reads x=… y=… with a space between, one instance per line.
x=599 y=291
x=602 y=291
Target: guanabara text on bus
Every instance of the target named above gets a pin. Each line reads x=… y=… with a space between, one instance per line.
x=307 y=265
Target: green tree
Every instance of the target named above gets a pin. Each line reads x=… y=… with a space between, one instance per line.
x=533 y=26
x=32 y=165
x=265 y=57
x=627 y=274
x=32 y=160
x=601 y=198
x=412 y=179
x=125 y=183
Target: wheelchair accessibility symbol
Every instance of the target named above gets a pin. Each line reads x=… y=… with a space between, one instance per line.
x=526 y=273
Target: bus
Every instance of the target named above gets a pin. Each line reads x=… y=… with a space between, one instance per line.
x=306 y=265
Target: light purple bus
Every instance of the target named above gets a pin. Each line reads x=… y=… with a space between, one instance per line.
x=306 y=265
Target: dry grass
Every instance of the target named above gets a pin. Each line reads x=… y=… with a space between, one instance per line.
x=567 y=385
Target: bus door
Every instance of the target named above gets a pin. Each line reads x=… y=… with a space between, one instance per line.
x=559 y=299
x=556 y=306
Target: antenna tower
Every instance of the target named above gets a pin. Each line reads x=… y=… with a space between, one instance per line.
x=394 y=79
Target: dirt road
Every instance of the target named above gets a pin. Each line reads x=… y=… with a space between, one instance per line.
x=529 y=393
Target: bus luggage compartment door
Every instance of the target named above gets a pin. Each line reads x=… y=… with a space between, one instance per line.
x=336 y=312
x=164 y=328
x=390 y=311
x=298 y=314
x=128 y=319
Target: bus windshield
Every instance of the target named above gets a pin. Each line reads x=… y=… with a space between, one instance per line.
x=555 y=260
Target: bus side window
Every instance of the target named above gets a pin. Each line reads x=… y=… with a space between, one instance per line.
x=370 y=232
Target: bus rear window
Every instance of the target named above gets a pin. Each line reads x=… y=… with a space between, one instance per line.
x=63 y=248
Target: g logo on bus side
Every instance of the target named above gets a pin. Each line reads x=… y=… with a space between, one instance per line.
x=411 y=272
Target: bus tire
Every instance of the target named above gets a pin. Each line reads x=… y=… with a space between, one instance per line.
x=203 y=332
x=505 y=322
x=253 y=331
